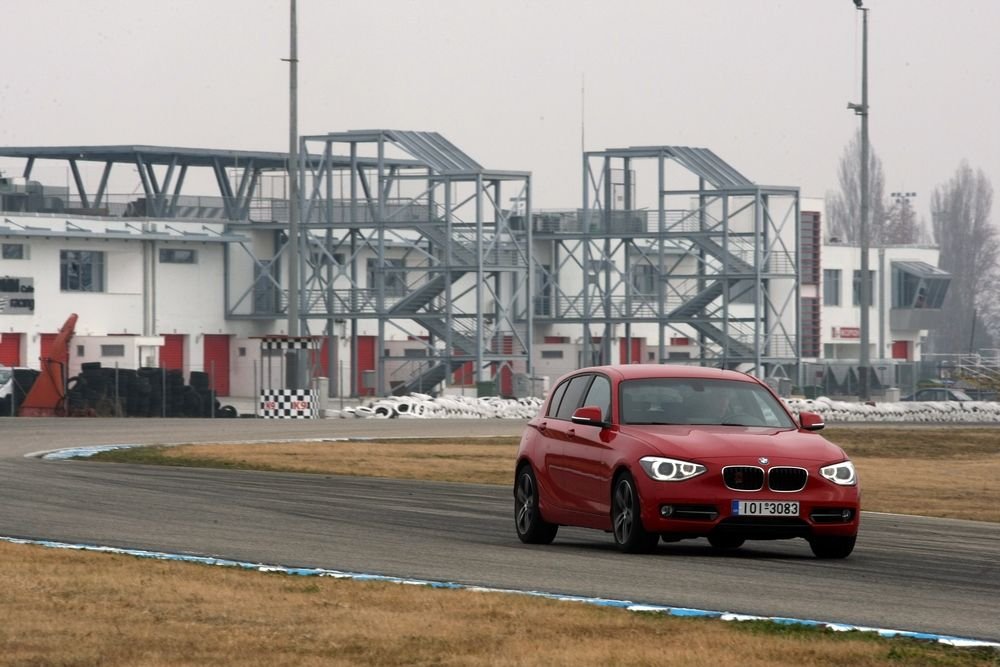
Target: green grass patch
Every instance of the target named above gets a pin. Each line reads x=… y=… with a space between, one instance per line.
x=898 y=650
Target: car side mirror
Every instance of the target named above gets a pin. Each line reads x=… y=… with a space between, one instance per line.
x=811 y=421
x=589 y=415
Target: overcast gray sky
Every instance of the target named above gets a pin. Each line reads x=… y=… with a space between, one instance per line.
x=763 y=83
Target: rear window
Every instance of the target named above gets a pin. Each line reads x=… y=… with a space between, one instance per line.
x=574 y=393
x=557 y=395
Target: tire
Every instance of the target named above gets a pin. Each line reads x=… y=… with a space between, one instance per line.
x=626 y=522
x=531 y=527
x=725 y=542
x=832 y=547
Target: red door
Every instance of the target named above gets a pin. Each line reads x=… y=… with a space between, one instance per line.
x=901 y=349
x=505 y=385
x=10 y=349
x=366 y=362
x=464 y=376
x=217 y=362
x=636 y=350
x=172 y=352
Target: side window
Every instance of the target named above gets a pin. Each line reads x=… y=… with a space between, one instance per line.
x=557 y=395
x=600 y=395
x=571 y=399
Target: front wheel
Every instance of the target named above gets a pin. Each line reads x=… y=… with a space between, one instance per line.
x=531 y=527
x=626 y=524
x=835 y=546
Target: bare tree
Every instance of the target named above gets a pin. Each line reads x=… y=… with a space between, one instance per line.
x=843 y=208
x=970 y=248
x=902 y=226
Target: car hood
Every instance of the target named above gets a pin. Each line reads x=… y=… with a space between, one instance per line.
x=732 y=443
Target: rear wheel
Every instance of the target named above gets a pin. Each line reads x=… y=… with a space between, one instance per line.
x=726 y=542
x=531 y=528
x=832 y=547
x=626 y=524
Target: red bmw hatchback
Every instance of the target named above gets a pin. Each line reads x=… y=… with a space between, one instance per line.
x=649 y=452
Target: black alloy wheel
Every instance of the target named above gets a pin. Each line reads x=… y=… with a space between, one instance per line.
x=531 y=527
x=626 y=524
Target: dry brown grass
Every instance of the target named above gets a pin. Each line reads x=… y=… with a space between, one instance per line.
x=61 y=608
x=945 y=472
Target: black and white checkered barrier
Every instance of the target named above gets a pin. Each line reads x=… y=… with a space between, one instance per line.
x=285 y=342
x=287 y=404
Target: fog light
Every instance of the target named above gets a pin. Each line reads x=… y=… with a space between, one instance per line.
x=847 y=515
x=666 y=510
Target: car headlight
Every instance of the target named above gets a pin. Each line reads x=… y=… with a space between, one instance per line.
x=670 y=470
x=840 y=473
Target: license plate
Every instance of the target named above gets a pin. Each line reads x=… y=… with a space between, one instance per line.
x=765 y=508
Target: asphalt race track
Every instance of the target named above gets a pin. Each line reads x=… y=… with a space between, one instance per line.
x=907 y=573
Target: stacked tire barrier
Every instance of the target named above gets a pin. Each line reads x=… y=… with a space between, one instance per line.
x=931 y=412
x=422 y=406
x=146 y=392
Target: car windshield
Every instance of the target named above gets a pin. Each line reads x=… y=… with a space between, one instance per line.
x=700 y=401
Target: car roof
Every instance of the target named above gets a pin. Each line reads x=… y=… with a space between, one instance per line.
x=643 y=371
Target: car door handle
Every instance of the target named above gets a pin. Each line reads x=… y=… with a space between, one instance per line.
x=571 y=432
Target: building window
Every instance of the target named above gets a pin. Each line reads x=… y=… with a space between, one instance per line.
x=414 y=353
x=14 y=251
x=81 y=271
x=178 y=256
x=857 y=288
x=918 y=285
x=644 y=278
x=552 y=354
x=394 y=276
x=544 y=287
x=112 y=350
x=831 y=287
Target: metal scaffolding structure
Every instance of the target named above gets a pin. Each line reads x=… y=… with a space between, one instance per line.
x=716 y=261
x=447 y=262
x=406 y=237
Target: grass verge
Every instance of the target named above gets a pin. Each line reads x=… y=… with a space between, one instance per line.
x=72 y=608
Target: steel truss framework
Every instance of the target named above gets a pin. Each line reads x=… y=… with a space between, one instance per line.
x=717 y=262
x=162 y=191
x=404 y=229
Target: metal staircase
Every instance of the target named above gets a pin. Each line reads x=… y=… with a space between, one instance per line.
x=693 y=310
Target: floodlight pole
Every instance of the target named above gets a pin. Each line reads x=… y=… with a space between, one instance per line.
x=864 y=361
x=292 y=372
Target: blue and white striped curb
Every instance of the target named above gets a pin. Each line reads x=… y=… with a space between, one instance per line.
x=77 y=452
x=601 y=602
x=90 y=450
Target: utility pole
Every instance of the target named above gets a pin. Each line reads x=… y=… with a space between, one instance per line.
x=864 y=361
x=292 y=367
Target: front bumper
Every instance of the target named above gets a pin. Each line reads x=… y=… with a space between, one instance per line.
x=701 y=507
